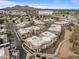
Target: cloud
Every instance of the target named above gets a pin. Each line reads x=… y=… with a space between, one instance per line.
x=7 y=3
x=75 y=1
x=40 y=6
x=56 y=4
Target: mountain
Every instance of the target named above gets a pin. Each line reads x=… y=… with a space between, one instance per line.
x=26 y=7
x=18 y=7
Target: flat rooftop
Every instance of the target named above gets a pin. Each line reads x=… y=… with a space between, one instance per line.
x=4 y=53
x=44 y=38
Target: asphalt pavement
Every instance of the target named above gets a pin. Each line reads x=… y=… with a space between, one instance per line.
x=17 y=41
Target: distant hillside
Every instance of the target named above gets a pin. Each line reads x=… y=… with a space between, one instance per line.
x=26 y=7
x=18 y=7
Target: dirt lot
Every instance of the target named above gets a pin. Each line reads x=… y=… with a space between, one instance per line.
x=65 y=52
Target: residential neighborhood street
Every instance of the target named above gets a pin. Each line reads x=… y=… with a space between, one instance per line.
x=17 y=42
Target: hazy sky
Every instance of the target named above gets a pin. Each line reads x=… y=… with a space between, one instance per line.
x=55 y=4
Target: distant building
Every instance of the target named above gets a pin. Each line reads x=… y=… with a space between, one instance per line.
x=22 y=24
x=31 y=12
x=44 y=40
x=55 y=28
x=45 y=12
x=16 y=12
x=38 y=22
x=29 y=31
x=4 y=53
x=16 y=54
x=62 y=22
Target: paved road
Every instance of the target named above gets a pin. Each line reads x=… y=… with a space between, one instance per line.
x=17 y=42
